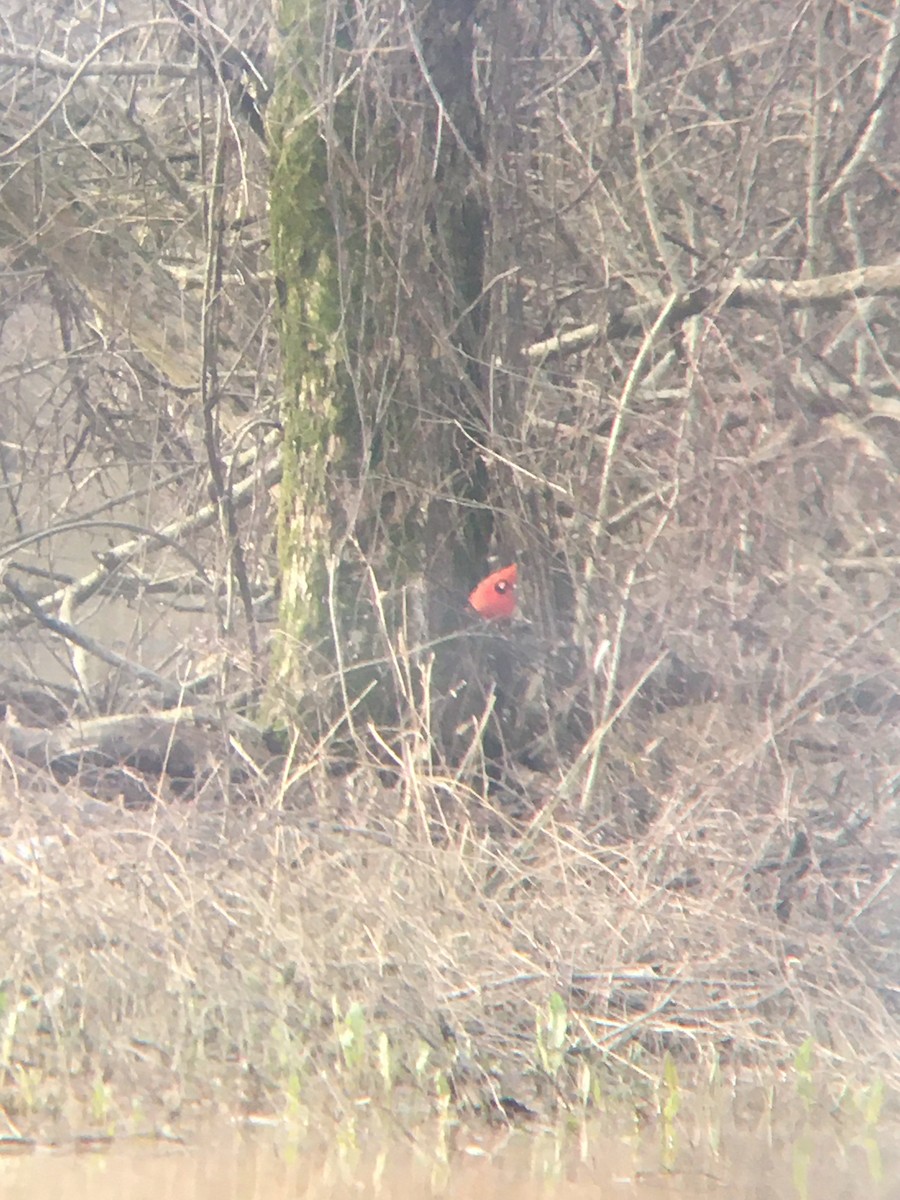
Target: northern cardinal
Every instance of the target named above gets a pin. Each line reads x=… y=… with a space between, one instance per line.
x=495 y=597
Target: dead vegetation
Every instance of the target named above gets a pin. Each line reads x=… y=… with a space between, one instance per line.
x=240 y=952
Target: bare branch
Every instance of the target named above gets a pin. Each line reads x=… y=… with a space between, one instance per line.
x=862 y=283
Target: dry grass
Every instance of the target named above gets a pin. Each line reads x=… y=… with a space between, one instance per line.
x=216 y=954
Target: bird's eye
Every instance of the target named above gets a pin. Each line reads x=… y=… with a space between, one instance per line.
x=501 y=587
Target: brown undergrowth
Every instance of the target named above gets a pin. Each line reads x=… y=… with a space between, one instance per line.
x=396 y=935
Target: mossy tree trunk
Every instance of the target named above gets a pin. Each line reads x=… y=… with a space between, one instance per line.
x=304 y=253
x=381 y=217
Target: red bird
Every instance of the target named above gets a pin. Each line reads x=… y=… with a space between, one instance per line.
x=495 y=597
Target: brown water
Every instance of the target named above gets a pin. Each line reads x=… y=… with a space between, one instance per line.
x=809 y=1165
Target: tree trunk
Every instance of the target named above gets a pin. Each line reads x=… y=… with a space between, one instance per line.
x=381 y=224
x=304 y=252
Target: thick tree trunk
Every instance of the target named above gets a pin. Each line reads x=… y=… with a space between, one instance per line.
x=304 y=250
x=380 y=229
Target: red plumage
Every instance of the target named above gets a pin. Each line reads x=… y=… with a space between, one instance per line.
x=495 y=596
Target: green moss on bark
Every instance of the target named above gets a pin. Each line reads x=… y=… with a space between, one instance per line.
x=304 y=258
